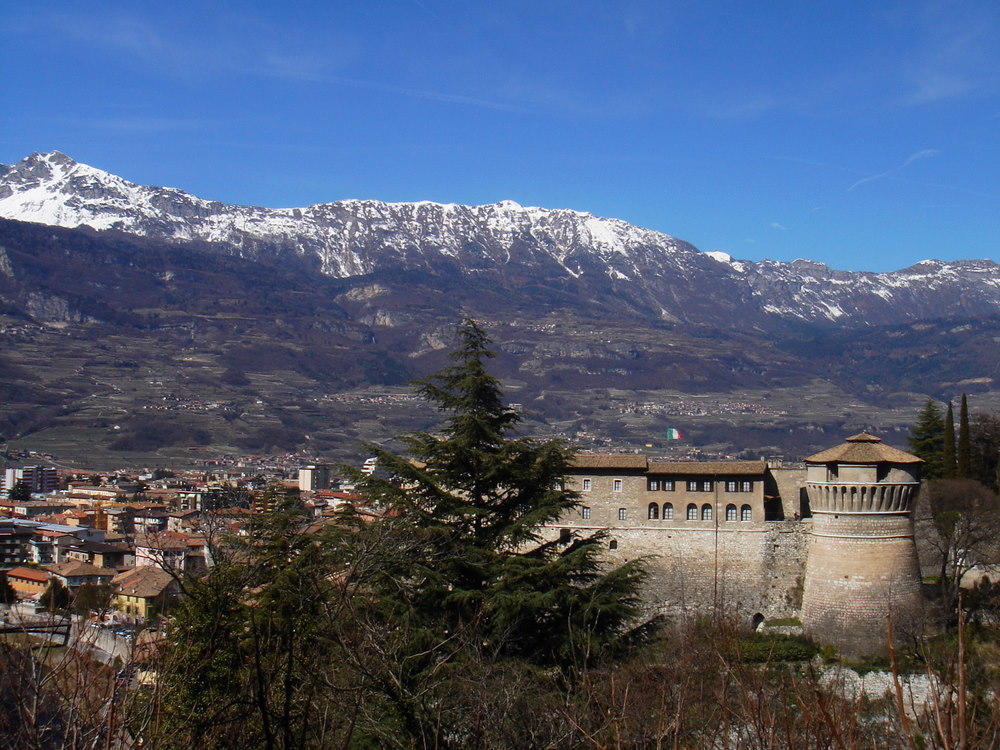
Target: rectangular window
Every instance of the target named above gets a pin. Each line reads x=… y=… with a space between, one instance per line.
x=586 y=485
x=731 y=487
x=668 y=485
x=618 y=485
x=622 y=514
x=653 y=485
x=746 y=486
x=585 y=512
x=706 y=486
x=692 y=486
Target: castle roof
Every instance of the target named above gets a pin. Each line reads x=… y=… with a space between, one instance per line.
x=702 y=468
x=863 y=448
x=608 y=461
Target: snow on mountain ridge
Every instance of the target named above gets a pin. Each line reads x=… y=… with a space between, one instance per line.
x=354 y=237
x=38 y=187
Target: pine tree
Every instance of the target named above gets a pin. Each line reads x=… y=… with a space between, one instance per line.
x=949 y=465
x=927 y=439
x=472 y=504
x=964 y=468
x=55 y=597
x=19 y=493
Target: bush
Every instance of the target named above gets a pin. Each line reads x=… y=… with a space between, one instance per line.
x=762 y=647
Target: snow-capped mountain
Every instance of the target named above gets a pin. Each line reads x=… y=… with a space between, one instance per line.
x=504 y=243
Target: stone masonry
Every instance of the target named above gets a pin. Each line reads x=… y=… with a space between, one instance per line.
x=740 y=538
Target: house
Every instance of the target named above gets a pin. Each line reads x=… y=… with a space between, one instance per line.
x=143 y=591
x=101 y=554
x=168 y=549
x=75 y=574
x=28 y=582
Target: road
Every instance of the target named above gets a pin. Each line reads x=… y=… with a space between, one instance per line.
x=101 y=643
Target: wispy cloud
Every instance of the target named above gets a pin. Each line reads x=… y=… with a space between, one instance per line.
x=239 y=44
x=439 y=96
x=918 y=156
x=140 y=124
x=776 y=225
x=957 y=55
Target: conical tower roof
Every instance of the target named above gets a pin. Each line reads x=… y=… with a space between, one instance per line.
x=863 y=448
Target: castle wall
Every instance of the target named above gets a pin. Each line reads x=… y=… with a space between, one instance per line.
x=861 y=568
x=745 y=565
x=740 y=538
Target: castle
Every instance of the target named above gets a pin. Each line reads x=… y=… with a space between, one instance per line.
x=831 y=544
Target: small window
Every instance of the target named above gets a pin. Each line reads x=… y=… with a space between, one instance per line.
x=692 y=485
x=564 y=536
x=706 y=512
x=730 y=512
x=585 y=512
x=617 y=485
x=613 y=544
x=706 y=486
x=587 y=485
x=731 y=485
x=653 y=512
x=692 y=512
x=668 y=485
x=653 y=485
x=746 y=513
x=622 y=514
x=668 y=511
x=746 y=486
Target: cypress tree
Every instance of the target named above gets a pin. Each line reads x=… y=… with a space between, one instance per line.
x=927 y=440
x=949 y=465
x=964 y=446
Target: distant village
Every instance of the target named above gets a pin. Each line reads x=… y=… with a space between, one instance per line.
x=133 y=534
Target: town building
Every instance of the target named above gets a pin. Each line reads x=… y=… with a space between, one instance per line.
x=42 y=479
x=314 y=477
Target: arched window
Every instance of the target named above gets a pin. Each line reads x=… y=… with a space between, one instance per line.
x=746 y=513
x=706 y=512
x=654 y=511
x=613 y=544
x=692 y=512
x=668 y=511
x=730 y=512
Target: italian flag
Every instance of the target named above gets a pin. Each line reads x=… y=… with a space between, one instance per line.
x=673 y=434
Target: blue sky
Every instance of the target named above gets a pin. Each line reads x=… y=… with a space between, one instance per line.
x=860 y=134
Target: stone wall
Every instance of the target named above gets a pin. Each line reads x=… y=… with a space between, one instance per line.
x=859 y=570
x=746 y=568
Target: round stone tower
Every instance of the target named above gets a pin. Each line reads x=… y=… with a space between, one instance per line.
x=862 y=561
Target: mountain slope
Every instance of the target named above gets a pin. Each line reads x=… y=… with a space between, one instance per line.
x=605 y=262
x=112 y=344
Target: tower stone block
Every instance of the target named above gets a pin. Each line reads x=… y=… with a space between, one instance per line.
x=862 y=563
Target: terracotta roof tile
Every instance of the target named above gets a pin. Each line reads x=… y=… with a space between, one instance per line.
x=608 y=461
x=29 y=574
x=863 y=448
x=707 y=467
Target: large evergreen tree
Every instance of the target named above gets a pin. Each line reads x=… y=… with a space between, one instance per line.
x=949 y=462
x=470 y=504
x=927 y=439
